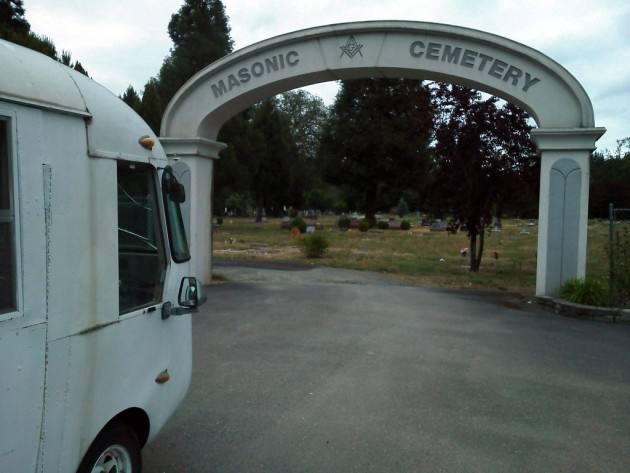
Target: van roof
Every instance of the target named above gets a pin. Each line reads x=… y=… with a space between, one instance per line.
x=33 y=79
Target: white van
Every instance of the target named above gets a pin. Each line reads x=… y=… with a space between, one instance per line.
x=95 y=340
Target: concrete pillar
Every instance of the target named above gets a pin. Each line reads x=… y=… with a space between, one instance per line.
x=199 y=155
x=563 y=205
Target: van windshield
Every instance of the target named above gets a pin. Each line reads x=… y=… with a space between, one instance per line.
x=141 y=258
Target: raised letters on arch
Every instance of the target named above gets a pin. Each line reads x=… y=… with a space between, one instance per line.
x=469 y=58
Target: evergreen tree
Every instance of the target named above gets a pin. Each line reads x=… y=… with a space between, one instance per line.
x=13 y=24
x=402 y=208
x=377 y=138
x=232 y=173
x=40 y=43
x=201 y=35
x=15 y=28
x=79 y=68
x=610 y=175
x=151 y=107
x=131 y=98
x=66 y=60
x=270 y=160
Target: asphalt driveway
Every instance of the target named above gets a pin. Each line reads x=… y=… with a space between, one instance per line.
x=321 y=370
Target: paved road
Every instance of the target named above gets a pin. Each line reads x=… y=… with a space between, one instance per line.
x=321 y=370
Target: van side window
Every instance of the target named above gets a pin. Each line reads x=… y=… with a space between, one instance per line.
x=141 y=256
x=7 y=224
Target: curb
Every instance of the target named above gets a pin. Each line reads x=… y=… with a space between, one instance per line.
x=580 y=311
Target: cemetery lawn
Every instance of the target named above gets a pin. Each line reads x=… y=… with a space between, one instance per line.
x=417 y=256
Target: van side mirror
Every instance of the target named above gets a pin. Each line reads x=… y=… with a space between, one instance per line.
x=172 y=187
x=178 y=193
x=191 y=294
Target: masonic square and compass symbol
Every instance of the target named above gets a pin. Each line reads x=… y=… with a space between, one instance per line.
x=351 y=48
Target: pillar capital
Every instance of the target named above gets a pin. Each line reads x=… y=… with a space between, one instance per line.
x=565 y=139
x=191 y=147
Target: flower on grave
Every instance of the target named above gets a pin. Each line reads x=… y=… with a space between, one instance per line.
x=495 y=254
x=463 y=251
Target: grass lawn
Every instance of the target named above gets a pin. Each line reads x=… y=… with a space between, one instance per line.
x=418 y=256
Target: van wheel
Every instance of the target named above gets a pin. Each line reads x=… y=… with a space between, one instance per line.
x=115 y=450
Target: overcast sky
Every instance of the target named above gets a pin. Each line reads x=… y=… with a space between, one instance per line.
x=123 y=42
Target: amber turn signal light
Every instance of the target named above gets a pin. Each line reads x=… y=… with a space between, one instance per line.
x=146 y=142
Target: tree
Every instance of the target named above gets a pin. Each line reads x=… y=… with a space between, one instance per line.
x=66 y=60
x=402 y=208
x=151 y=107
x=481 y=153
x=232 y=173
x=79 y=68
x=12 y=21
x=307 y=116
x=200 y=35
x=517 y=165
x=131 y=98
x=377 y=138
x=259 y=159
x=15 y=28
x=270 y=160
x=610 y=175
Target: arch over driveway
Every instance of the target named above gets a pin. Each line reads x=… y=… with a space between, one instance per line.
x=425 y=51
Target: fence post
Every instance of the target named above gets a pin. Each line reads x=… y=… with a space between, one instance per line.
x=611 y=253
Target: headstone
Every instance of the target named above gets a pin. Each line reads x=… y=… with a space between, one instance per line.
x=437 y=225
x=310 y=229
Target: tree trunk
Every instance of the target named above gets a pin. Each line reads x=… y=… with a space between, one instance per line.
x=473 y=250
x=370 y=202
x=259 y=211
x=476 y=254
x=481 y=242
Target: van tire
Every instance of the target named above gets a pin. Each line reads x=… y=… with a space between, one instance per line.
x=116 y=445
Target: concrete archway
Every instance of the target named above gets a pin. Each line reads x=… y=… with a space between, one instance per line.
x=565 y=136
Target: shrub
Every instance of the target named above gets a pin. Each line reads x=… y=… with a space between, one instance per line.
x=405 y=225
x=364 y=225
x=402 y=208
x=313 y=245
x=343 y=222
x=299 y=223
x=584 y=291
x=220 y=220
x=383 y=224
x=339 y=206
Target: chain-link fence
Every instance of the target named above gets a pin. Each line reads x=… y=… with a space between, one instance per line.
x=619 y=256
